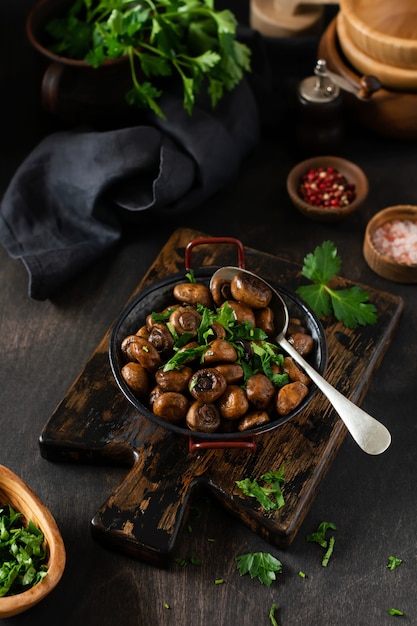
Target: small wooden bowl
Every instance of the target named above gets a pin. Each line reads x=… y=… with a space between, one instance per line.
x=385 y=30
x=380 y=263
x=15 y=492
x=352 y=173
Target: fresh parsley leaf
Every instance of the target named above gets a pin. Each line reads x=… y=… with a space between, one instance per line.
x=261 y=565
x=350 y=306
x=393 y=562
x=323 y=264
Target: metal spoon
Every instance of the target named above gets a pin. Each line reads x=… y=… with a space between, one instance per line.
x=372 y=436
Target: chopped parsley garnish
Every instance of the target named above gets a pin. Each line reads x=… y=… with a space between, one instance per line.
x=22 y=553
x=350 y=306
x=393 y=562
x=394 y=612
x=272 y=615
x=319 y=536
x=264 y=354
x=270 y=495
x=260 y=565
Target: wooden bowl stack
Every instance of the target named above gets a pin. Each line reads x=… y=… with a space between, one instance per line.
x=379 y=37
x=15 y=492
x=388 y=112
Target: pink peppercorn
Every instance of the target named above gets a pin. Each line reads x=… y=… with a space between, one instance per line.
x=326 y=188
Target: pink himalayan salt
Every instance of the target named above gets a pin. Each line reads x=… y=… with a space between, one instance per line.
x=398 y=240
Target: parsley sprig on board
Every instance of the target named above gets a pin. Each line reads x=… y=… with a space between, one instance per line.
x=22 y=555
x=269 y=495
x=350 y=306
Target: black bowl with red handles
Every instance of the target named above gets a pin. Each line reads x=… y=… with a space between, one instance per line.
x=157 y=297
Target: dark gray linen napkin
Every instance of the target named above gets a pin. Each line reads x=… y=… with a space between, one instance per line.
x=64 y=207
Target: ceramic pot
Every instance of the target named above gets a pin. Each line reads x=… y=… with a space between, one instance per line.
x=70 y=88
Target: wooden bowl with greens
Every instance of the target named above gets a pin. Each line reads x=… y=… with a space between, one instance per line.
x=26 y=525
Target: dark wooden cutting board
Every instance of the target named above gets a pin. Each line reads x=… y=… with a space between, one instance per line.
x=94 y=423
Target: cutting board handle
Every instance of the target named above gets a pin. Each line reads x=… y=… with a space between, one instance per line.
x=143 y=515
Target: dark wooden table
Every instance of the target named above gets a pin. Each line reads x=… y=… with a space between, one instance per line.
x=45 y=345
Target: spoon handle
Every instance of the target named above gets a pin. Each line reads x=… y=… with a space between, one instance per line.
x=372 y=436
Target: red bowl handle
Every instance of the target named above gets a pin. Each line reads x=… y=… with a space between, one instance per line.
x=204 y=240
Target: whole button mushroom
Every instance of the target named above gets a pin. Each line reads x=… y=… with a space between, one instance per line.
x=160 y=336
x=218 y=330
x=207 y=385
x=290 y=396
x=242 y=312
x=260 y=391
x=220 y=290
x=233 y=372
x=171 y=406
x=294 y=371
x=193 y=293
x=174 y=380
x=220 y=350
x=136 y=377
x=126 y=347
x=264 y=319
x=146 y=354
x=233 y=403
x=302 y=342
x=250 y=290
x=203 y=417
x=185 y=319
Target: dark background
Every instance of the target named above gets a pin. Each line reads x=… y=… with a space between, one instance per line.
x=44 y=345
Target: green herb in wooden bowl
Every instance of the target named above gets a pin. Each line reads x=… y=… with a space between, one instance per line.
x=32 y=553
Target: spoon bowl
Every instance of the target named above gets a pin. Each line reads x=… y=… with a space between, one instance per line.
x=370 y=435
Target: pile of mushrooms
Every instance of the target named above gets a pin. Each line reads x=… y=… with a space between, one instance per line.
x=212 y=381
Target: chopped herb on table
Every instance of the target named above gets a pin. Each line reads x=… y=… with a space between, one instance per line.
x=261 y=565
x=350 y=306
x=272 y=615
x=319 y=536
x=394 y=612
x=270 y=495
x=22 y=554
x=393 y=562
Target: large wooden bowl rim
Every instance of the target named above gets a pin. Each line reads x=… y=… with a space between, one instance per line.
x=15 y=492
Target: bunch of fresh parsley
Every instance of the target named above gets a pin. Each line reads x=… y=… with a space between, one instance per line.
x=350 y=306
x=186 y=38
